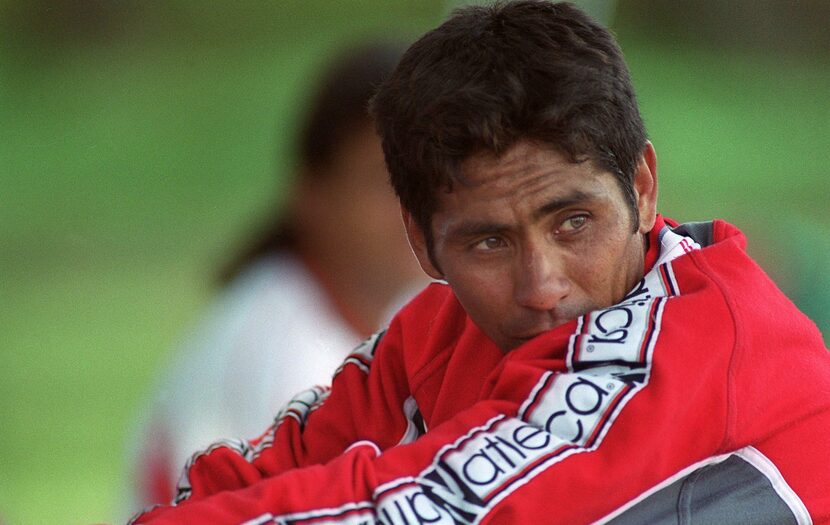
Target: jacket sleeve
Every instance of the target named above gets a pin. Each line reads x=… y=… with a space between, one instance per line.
x=542 y=441
x=558 y=428
x=358 y=485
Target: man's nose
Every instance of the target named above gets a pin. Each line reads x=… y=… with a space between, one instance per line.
x=540 y=280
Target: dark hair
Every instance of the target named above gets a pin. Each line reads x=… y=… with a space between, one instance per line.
x=491 y=76
x=337 y=109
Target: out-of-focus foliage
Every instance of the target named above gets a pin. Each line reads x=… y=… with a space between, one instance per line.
x=140 y=141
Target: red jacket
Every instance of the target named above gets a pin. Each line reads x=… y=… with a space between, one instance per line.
x=703 y=396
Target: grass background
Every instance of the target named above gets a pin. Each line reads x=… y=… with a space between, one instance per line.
x=139 y=145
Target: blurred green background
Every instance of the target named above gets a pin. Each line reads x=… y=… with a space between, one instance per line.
x=140 y=142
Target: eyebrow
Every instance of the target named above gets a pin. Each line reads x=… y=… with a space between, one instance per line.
x=559 y=203
x=476 y=229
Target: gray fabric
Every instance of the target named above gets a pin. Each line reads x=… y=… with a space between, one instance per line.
x=701 y=232
x=730 y=492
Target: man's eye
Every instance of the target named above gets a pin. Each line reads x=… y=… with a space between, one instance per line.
x=573 y=224
x=490 y=243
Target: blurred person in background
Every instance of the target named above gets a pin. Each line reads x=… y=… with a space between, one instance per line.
x=330 y=270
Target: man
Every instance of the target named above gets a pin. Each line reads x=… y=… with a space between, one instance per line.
x=587 y=360
x=328 y=273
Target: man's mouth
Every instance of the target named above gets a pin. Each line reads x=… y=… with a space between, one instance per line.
x=549 y=324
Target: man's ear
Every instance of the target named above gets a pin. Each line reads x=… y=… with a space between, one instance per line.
x=645 y=188
x=418 y=243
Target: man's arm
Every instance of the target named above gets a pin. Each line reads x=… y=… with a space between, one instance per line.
x=563 y=447
x=543 y=440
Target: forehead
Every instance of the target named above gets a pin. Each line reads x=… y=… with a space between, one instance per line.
x=525 y=176
x=519 y=163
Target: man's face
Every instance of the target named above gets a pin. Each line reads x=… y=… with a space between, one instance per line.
x=533 y=240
